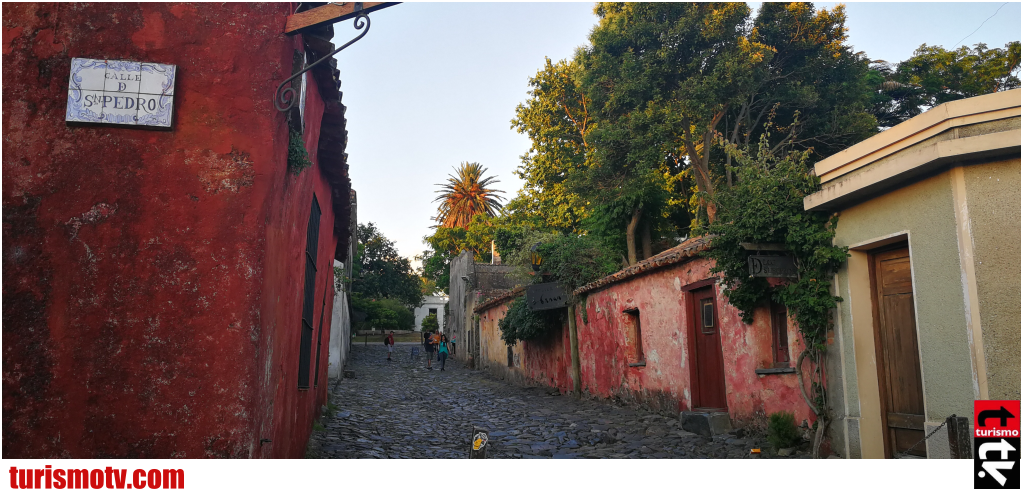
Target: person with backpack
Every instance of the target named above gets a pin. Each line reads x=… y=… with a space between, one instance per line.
x=428 y=347
x=389 y=342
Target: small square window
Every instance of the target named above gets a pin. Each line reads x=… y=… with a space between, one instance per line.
x=636 y=338
x=708 y=312
x=780 y=341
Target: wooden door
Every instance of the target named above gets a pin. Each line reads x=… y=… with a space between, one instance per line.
x=901 y=385
x=708 y=365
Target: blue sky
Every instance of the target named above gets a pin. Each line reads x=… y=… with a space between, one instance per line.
x=435 y=84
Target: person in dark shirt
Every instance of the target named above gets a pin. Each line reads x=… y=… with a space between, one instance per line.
x=428 y=344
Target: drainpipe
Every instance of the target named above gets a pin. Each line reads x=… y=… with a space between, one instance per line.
x=573 y=337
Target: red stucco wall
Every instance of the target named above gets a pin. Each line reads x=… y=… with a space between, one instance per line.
x=544 y=361
x=287 y=412
x=605 y=348
x=152 y=280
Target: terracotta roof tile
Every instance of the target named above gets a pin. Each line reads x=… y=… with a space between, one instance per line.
x=507 y=295
x=685 y=251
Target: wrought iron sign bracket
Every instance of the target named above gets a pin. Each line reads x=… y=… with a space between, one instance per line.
x=284 y=97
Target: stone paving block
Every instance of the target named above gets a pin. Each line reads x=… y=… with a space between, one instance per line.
x=400 y=410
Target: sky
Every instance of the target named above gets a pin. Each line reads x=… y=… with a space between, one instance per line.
x=436 y=84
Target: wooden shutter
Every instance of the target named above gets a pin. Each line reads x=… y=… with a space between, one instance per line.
x=780 y=327
x=305 y=344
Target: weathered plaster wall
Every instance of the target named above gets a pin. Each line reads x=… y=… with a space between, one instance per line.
x=493 y=351
x=544 y=361
x=432 y=302
x=340 y=333
x=664 y=382
x=923 y=211
x=152 y=285
x=287 y=417
x=459 y=318
x=993 y=199
x=606 y=349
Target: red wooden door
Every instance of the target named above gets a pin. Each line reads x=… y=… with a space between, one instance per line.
x=708 y=365
x=902 y=399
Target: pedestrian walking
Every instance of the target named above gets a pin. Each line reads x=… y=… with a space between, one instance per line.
x=454 y=337
x=442 y=351
x=389 y=342
x=428 y=347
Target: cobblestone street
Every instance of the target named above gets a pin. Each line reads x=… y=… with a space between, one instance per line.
x=399 y=409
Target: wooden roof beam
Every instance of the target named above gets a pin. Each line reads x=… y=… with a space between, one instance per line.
x=331 y=13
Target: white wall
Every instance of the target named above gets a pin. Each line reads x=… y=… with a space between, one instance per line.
x=340 y=333
x=431 y=302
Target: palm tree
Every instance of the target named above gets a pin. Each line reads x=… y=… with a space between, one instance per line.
x=466 y=195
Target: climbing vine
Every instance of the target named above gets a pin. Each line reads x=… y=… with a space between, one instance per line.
x=298 y=157
x=521 y=323
x=766 y=207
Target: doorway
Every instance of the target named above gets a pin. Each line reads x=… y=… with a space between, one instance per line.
x=895 y=342
x=708 y=372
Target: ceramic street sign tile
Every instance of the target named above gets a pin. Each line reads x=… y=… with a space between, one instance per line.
x=121 y=92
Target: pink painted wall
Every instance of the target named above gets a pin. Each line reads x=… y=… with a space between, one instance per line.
x=606 y=348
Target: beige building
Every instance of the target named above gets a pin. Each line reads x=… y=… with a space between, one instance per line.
x=930 y=317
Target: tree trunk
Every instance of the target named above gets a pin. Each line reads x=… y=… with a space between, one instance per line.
x=644 y=236
x=630 y=235
x=573 y=339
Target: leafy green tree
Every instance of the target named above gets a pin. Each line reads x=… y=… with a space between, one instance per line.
x=812 y=94
x=466 y=195
x=446 y=243
x=383 y=314
x=429 y=324
x=557 y=119
x=628 y=137
x=380 y=273
x=935 y=76
x=661 y=77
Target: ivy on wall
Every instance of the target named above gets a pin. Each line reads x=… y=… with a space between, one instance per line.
x=521 y=323
x=298 y=157
x=766 y=207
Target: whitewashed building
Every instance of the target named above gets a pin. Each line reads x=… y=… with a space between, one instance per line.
x=432 y=304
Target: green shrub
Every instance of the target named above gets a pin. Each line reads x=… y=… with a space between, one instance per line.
x=781 y=430
x=298 y=157
x=383 y=314
x=521 y=323
x=429 y=324
x=575 y=260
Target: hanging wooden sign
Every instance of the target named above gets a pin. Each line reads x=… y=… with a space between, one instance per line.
x=772 y=266
x=546 y=296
